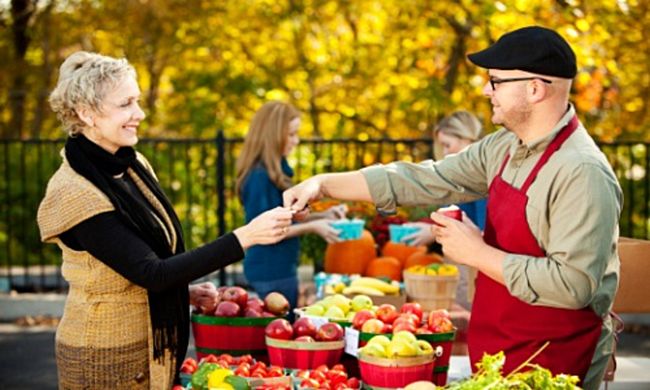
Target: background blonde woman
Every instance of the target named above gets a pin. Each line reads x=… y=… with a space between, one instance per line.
x=262 y=174
x=126 y=318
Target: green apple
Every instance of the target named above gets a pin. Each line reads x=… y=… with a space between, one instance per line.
x=315 y=310
x=335 y=312
x=381 y=340
x=342 y=302
x=360 y=302
x=374 y=350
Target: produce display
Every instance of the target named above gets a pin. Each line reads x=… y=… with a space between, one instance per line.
x=433 y=269
x=387 y=319
x=363 y=285
x=235 y=302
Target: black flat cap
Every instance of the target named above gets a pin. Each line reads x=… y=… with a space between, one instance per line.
x=532 y=49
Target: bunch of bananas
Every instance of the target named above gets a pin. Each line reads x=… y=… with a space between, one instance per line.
x=434 y=269
x=371 y=286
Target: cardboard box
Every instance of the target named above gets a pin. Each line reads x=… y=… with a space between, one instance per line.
x=632 y=295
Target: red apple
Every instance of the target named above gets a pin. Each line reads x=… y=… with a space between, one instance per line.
x=330 y=331
x=235 y=294
x=373 y=325
x=252 y=313
x=279 y=329
x=387 y=313
x=408 y=317
x=227 y=309
x=221 y=289
x=304 y=327
x=305 y=339
x=256 y=304
x=276 y=303
x=423 y=330
x=361 y=317
x=413 y=308
x=267 y=314
x=404 y=325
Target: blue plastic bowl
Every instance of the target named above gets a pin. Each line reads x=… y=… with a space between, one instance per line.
x=398 y=232
x=350 y=229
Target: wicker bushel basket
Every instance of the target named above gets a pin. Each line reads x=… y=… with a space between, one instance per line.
x=304 y=355
x=395 y=373
x=234 y=335
x=432 y=292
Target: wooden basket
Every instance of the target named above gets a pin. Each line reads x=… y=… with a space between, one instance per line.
x=304 y=355
x=432 y=292
x=397 y=372
x=233 y=335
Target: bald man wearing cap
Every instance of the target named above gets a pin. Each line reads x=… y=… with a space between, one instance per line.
x=547 y=262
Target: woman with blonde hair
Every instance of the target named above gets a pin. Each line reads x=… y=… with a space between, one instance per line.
x=126 y=319
x=262 y=174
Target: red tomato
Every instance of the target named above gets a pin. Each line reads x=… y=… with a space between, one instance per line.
x=187 y=368
x=353 y=383
x=258 y=373
x=210 y=359
x=339 y=367
x=318 y=376
x=243 y=370
x=227 y=358
x=310 y=383
x=178 y=387
x=258 y=365
x=322 y=368
x=274 y=371
x=337 y=376
x=244 y=359
x=304 y=374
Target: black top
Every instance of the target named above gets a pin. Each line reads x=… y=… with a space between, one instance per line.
x=106 y=238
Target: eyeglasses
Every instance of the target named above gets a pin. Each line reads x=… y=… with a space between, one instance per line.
x=494 y=81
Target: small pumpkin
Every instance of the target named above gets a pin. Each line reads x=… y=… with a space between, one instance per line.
x=401 y=251
x=385 y=266
x=422 y=258
x=350 y=257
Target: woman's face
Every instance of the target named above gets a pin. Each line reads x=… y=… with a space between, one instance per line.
x=117 y=125
x=292 y=137
x=450 y=143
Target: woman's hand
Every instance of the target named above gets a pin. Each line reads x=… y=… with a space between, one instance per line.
x=323 y=228
x=336 y=212
x=267 y=228
x=204 y=296
x=424 y=236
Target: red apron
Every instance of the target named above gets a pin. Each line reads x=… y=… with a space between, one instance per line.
x=501 y=322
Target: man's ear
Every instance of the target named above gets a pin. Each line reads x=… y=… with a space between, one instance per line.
x=86 y=115
x=537 y=91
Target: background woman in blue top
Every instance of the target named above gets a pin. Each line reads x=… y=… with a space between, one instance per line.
x=452 y=134
x=262 y=174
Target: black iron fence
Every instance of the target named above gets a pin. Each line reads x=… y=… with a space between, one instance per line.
x=199 y=177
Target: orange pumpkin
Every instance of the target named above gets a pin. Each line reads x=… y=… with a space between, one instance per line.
x=422 y=258
x=401 y=251
x=350 y=257
x=385 y=266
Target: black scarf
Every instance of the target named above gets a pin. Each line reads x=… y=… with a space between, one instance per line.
x=168 y=309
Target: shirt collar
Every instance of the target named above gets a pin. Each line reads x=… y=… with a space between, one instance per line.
x=542 y=142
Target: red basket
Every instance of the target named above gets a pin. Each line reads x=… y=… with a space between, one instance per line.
x=397 y=372
x=444 y=340
x=233 y=335
x=304 y=355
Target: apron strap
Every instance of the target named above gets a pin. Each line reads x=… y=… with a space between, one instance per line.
x=552 y=148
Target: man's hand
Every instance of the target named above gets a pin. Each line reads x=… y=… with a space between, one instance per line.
x=297 y=197
x=461 y=241
x=424 y=236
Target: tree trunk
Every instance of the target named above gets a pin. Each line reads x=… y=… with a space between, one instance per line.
x=21 y=12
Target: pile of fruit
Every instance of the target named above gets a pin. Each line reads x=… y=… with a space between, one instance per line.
x=304 y=330
x=387 y=319
x=433 y=269
x=322 y=377
x=235 y=302
x=402 y=344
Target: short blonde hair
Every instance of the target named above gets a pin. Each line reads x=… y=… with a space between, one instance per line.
x=84 y=80
x=461 y=124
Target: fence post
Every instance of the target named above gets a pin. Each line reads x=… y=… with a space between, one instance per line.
x=221 y=191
